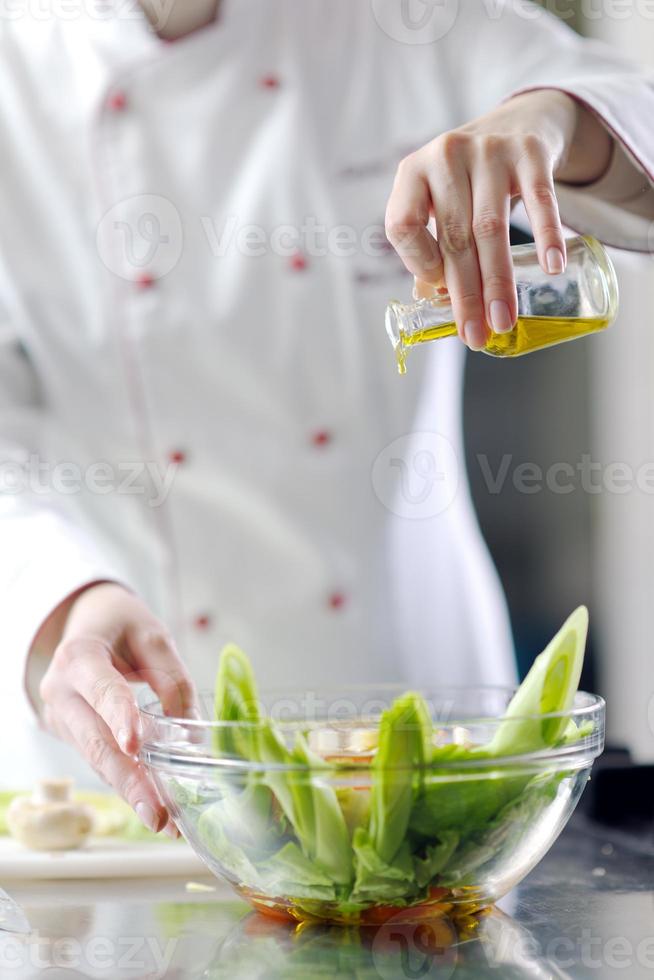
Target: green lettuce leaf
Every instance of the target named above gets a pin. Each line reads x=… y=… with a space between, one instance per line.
x=230 y=855
x=378 y=880
x=290 y=872
x=309 y=803
x=435 y=858
x=549 y=687
x=327 y=839
x=404 y=748
x=236 y=700
x=423 y=820
x=246 y=816
x=462 y=802
x=507 y=828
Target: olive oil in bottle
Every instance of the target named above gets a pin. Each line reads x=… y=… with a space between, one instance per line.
x=551 y=309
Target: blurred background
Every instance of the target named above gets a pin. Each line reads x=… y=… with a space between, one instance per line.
x=589 y=404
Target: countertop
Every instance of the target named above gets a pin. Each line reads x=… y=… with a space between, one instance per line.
x=586 y=911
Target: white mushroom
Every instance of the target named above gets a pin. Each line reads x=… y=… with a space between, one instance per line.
x=50 y=819
x=343 y=739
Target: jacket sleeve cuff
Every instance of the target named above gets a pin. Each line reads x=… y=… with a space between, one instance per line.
x=618 y=208
x=57 y=561
x=49 y=624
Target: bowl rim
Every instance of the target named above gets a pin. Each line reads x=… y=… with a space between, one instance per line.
x=593 y=703
x=573 y=755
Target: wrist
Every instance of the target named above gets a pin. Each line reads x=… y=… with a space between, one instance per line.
x=89 y=594
x=580 y=145
x=587 y=146
x=554 y=115
x=46 y=641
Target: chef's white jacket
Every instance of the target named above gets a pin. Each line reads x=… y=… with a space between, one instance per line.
x=193 y=276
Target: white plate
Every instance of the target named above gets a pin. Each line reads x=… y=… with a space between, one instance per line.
x=101 y=858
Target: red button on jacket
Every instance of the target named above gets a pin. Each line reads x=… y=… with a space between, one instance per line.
x=269 y=81
x=117 y=101
x=298 y=262
x=144 y=280
x=322 y=437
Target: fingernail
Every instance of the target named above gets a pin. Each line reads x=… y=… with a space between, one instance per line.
x=147 y=816
x=171 y=830
x=474 y=334
x=500 y=316
x=554 y=261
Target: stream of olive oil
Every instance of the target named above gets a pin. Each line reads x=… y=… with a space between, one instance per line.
x=530 y=333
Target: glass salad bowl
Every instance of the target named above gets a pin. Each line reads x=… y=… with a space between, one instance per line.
x=356 y=806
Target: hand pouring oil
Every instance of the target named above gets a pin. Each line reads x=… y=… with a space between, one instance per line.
x=551 y=309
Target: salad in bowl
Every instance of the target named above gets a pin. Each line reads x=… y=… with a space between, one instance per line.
x=367 y=804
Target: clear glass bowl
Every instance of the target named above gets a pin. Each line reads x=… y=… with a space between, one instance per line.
x=476 y=826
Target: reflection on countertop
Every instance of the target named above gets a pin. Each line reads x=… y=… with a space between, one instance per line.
x=586 y=911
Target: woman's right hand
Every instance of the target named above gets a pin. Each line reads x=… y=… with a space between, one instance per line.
x=111 y=637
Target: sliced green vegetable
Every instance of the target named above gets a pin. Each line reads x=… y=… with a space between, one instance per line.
x=236 y=700
x=309 y=803
x=435 y=857
x=463 y=802
x=404 y=748
x=505 y=830
x=290 y=872
x=230 y=855
x=379 y=880
x=247 y=818
x=550 y=686
x=327 y=840
x=294 y=829
x=355 y=806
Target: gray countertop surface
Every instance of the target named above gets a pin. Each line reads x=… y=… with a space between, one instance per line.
x=586 y=911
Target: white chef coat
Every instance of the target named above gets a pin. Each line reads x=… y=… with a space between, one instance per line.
x=301 y=520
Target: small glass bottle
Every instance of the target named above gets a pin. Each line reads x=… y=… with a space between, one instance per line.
x=551 y=309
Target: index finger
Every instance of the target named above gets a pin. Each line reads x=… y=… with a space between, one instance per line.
x=158 y=663
x=92 y=675
x=407 y=215
x=85 y=730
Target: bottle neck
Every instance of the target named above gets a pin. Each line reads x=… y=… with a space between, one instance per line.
x=406 y=323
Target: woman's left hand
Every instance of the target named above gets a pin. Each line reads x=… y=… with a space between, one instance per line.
x=467 y=180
